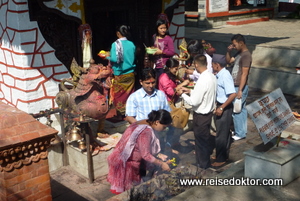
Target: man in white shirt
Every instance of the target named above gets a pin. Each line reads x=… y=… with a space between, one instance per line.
x=202 y=99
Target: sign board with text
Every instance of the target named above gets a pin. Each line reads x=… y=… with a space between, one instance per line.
x=216 y=6
x=271 y=115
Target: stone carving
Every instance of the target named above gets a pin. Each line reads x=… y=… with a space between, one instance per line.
x=88 y=97
x=24 y=154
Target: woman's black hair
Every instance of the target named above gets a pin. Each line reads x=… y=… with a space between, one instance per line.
x=160 y=22
x=147 y=73
x=163 y=116
x=195 y=47
x=171 y=63
x=124 y=30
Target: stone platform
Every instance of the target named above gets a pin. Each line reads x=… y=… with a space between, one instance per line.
x=277 y=162
x=78 y=162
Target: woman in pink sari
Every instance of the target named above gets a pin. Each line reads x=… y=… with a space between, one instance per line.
x=169 y=83
x=139 y=144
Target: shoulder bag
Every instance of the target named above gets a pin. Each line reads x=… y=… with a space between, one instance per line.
x=179 y=115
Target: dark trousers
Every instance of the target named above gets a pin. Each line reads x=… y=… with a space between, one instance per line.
x=223 y=135
x=204 y=141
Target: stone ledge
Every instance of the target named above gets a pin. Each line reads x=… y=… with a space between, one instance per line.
x=191 y=14
x=275 y=162
x=17 y=127
x=247 y=21
x=277 y=69
x=280 y=155
x=78 y=161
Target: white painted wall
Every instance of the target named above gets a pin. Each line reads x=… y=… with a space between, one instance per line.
x=29 y=71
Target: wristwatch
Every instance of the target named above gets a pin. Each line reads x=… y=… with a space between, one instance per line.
x=221 y=108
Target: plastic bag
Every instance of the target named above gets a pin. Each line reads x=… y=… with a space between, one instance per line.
x=237 y=106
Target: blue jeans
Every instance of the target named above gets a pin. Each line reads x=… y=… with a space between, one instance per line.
x=240 y=119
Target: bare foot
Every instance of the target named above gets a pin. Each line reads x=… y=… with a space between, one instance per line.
x=103 y=135
x=174 y=151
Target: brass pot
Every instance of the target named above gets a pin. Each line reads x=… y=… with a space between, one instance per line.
x=74 y=135
x=82 y=145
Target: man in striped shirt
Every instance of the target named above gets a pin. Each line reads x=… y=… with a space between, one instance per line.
x=147 y=98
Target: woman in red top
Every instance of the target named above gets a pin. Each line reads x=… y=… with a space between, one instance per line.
x=138 y=145
x=169 y=82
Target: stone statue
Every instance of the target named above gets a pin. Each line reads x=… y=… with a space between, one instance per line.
x=88 y=97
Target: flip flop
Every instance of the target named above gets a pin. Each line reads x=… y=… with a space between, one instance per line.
x=103 y=135
x=218 y=164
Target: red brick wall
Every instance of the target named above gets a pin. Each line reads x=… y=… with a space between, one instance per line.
x=24 y=169
x=30 y=183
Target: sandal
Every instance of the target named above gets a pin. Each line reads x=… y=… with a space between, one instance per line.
x=218 y=164
x=103 y=135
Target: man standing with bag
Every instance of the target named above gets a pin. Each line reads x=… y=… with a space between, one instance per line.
x=202 y=99
x=223 y=114
x=242 y=63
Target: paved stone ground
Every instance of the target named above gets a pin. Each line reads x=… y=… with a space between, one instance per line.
x=69 y=185
x=275 y=33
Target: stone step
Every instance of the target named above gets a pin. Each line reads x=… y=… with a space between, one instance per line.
x=247 y=21
x=274 y=58
x=191 y=14
x=267 y=50
x=280 y=161
x=269 y=78
x=191 y=18
x=263 y=53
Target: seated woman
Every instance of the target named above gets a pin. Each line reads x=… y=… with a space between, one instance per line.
x=138 y=145
x=169 y=84
x=168 y=81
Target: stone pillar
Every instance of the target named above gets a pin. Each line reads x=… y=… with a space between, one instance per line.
x=274 y=4
x=24 y=170
x=202 y=22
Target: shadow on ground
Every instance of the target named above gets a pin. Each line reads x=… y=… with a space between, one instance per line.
x=62 y=193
